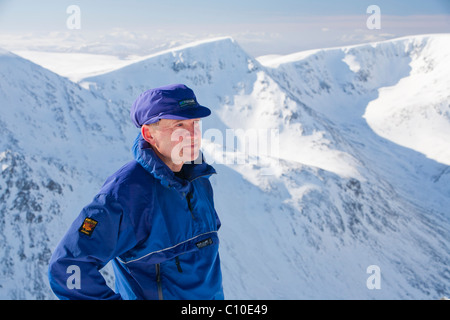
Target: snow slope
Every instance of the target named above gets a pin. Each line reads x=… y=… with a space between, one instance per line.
x=55 y=141
x=415 y=112
x=405 y=81
x=340 y=194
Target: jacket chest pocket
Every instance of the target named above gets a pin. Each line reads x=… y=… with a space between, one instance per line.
x=201 y=211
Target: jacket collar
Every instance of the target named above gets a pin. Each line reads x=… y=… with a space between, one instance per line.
x=147 y=158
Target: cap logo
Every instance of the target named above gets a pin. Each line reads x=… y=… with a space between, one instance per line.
x=185 y=103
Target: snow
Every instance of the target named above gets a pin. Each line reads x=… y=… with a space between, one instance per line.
x=356 y=174
x=415 y=112
x=76 y=66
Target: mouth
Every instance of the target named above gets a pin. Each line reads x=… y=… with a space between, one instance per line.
x=195 y=145
x=191 y=147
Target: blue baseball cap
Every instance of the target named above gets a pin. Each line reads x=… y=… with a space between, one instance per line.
x=175 y=101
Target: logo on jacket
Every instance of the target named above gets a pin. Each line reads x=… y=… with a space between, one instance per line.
x=88 y=226
x=204 y=243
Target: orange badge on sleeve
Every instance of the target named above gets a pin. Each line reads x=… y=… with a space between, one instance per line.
x=88 y=226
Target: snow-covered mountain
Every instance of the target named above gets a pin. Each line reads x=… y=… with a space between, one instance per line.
x=360 y=176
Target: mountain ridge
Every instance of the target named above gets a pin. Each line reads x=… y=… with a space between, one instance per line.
x=309 y=230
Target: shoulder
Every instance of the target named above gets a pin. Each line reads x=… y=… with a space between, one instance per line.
x=129 y=191
x=131 y=177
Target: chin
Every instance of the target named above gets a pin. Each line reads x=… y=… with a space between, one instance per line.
x=195 y=156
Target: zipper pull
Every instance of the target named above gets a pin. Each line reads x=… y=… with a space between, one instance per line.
x=177 y=262
x=158 y=281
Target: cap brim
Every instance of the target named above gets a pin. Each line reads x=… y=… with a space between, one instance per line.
x=183 y=114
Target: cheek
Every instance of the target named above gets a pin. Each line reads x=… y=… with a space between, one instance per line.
x=182 y=136
x=163 y=143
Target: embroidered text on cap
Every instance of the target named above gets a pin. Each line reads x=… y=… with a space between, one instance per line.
x=185 y=103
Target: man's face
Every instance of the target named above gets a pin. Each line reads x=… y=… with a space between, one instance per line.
x=175 y=141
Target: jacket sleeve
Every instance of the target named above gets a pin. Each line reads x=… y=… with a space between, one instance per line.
x=101 y=232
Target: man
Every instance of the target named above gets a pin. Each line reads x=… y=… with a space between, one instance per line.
x=154 y=218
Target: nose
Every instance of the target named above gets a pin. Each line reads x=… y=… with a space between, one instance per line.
x=196 y=129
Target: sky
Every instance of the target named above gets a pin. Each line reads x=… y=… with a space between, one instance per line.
x=260 y=26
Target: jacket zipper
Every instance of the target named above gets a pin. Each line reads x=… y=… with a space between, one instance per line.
x=191 y=208
x=158 y=281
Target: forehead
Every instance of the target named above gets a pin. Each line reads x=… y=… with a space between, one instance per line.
x=169 y=122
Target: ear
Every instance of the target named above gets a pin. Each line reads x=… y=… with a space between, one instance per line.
x=147 y=134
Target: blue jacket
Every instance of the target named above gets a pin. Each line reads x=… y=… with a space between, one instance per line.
x=158 y=228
